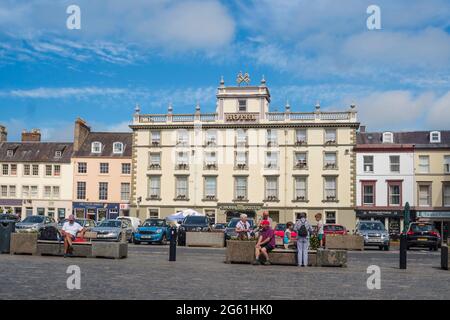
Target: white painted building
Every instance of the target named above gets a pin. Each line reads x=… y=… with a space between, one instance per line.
x=384 y=178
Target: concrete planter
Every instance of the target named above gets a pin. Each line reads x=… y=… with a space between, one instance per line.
x=289 y=257
x=240 y=251
x=205 y=239
x=113 y=250
x=445 y=260
x=23 y=243
x=54 y=248
x=344 y=242
x=331 y=258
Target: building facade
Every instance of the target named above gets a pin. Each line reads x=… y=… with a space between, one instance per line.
x=244 y=158
x=101 y=173
x=35 y=176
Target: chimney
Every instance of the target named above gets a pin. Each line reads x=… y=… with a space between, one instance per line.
x=33 y=136
x=81 y=131
x=3 y=134
x=362 y=129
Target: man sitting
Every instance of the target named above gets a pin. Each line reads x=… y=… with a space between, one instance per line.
x=265 y=244
x=69 y=231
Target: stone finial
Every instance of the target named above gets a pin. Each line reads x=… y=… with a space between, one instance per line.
x=197 y=107
x=287 y=106
x=137 y=109
x=222 y=81
x=263 y=81
x=170 y=108
x=317 y=106
x=353 y=106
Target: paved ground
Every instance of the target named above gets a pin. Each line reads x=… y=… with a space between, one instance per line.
x=201 y=274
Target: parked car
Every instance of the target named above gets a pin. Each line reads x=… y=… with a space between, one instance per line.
x=85 y=223
x=9 y=217
x=374 y=234
x=230 y=231
x=193 y=224
x=279 y=230
x=219 y=227
x=333 y=229
x=423 y=234
x=153 y=230
x=35 y=224
x=112 y=230
x=135 y=223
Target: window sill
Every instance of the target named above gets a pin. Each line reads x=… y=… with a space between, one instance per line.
x=330 y=201
x=210 y=200
x=240 y=200
x=153 y=199
x=271 y=200
x=181 y=199
x=301 y=201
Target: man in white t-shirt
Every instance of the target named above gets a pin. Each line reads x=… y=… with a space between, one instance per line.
x=69 y=231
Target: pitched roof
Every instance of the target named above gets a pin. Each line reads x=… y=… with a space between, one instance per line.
x=420 y=139
x=107 y=140
x=36 y=152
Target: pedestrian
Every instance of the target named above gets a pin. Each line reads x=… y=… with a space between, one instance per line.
x=243 y=228
x=265 y=216
x=265 y=244
x=288 y=234
x=319 y=228
x=303 y=229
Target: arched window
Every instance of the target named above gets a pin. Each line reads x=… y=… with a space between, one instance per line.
x=96 y=147
x=118 y=147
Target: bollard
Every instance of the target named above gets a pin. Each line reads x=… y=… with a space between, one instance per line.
x=403 y=250
x=173 y=245
x=444 y=257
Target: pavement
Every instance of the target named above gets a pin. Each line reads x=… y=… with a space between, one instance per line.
x=200 y=273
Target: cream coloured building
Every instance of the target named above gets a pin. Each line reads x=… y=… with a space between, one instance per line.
x=245 y=158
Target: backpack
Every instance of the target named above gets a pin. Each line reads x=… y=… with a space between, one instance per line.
x=302 y=231
x=49 y=233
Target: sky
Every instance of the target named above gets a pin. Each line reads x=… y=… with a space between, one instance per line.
x=156 y=52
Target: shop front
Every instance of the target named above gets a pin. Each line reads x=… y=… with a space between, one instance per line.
x=441 y=220
x=233 y=210
x=392 y=219
x=96 y=211
x=13 y=206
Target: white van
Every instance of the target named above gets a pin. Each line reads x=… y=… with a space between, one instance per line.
x=134 y=222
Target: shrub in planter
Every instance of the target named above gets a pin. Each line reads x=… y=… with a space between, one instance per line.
x=314 y=242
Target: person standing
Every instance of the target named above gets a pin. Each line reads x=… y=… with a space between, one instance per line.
x=303 y=229
x=319 y=227
x=243 y=228
x=288 y=234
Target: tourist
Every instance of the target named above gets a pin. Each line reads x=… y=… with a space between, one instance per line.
x=265 y=244
x=265 y=216
x=243 y=228
x=319 y=228
x=69 y=231
x=288 y=234
x=303 y=229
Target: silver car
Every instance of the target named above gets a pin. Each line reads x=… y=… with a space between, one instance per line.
x=374 y=234
x=114 y=230
x=35 y=224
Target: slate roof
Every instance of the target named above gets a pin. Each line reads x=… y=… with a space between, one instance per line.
x=420 y=139
x=107 y=140
x=36 y=152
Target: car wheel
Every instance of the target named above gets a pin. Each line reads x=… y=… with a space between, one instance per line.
x=136 y=242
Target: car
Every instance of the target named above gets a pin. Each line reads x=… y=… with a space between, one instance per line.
x=219 y=227
x=113 y=230
x=85 y=223
x=230 y=231
x=9 y=217
x=193 y=224
x=279 y=230
x=135 y=222
x=333 y=229
x=35 y=224
x=423 y=234
x=152 y=231
x=374 y=234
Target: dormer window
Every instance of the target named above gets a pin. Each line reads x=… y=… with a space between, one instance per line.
x=96 y=147
x=435 y=137
x=58 y=154
x=118 y=147
x=388 y=137
x=9 y=153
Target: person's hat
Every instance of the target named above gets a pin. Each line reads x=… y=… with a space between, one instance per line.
x=265 y=223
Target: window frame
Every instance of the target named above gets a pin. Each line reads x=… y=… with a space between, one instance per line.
x=373 y=184
x=392 y=183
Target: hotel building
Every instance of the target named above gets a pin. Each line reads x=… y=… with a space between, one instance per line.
x=35 y=176
x=101 y=173
x=245 y=158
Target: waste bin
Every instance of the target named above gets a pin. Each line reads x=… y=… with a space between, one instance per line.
x=6 y=228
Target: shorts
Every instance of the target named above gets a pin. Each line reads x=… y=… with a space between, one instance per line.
x=320 y=236
x=268 y=247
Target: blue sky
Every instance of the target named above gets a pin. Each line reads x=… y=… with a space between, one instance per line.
x=161 y=51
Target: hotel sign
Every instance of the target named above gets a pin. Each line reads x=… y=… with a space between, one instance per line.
x=240 y=207
x=241 y=117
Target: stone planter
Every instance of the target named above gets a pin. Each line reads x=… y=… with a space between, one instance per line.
x=331 y=258
x=23 y=243
x=344 y=242
x=289 y=257
x=205 y=239
x=113 y=250
x=240 y=251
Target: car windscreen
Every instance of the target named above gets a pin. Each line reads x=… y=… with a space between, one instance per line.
x=153 y=223
x=371 y=226
x=333 y=228
x=422 y=227
x=110 y=224
x=196 y=220
x=34 y=219
x=280 y=227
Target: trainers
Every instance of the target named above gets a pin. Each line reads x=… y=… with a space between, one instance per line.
x=256 y=263
x=267 y=263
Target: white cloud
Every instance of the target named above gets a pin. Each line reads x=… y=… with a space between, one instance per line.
x=51 y=93
x=438 y=114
